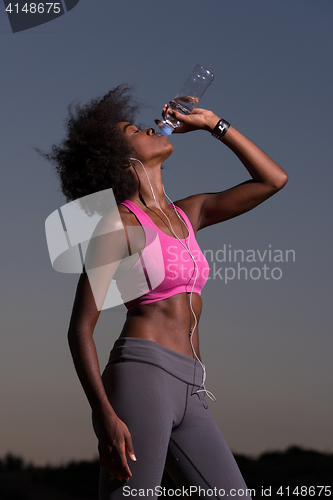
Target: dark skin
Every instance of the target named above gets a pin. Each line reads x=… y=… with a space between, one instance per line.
x=173 y=314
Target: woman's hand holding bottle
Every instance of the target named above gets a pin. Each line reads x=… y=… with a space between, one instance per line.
x=198 y=119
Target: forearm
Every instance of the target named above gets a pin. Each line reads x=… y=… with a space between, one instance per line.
x=83 y=350
x=259 y=165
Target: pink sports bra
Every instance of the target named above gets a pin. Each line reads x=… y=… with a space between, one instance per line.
x=164 y=267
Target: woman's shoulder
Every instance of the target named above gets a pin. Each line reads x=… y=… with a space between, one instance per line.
x=191 y=206
x=115 y=220
x=127 y=216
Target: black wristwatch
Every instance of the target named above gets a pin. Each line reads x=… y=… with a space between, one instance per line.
x=220 y=129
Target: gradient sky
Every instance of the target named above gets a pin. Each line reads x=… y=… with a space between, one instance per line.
x=267 y=344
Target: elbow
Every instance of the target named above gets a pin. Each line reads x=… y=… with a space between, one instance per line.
x=280 y=181
x=77 y=334
x=284 y=180
x=73 y=336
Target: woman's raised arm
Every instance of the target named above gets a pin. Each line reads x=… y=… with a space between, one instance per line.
x=267 y=176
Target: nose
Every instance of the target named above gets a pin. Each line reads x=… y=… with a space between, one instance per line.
x=150 y=131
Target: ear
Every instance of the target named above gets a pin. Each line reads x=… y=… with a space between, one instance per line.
x=129 y=163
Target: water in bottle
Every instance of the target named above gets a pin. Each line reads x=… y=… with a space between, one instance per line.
x=188 y=97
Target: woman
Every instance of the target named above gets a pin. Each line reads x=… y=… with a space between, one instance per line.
x=149 y=405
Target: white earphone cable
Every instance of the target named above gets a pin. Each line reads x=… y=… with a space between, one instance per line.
x=209 y=394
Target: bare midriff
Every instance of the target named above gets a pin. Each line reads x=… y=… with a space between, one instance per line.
x=166 y=322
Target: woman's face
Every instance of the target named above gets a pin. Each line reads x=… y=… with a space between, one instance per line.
x=150 y=147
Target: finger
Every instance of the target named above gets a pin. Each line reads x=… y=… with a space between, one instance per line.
x=129 y=447
x=198 y=111
x=181 y=116
x=164 y=111
x=116 y=467
x=126 y=471
x=124 y=474
x=176 y=115
x=180 y=130
x=159 y=123
x=120 y=472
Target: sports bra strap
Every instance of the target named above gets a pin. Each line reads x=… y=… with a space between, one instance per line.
x=186 y=219
x=142 y=217
x=145 y=220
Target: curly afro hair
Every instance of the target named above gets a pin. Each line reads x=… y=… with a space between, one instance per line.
x=94 y=154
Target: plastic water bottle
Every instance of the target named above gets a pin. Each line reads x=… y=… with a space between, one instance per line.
x=188 y=96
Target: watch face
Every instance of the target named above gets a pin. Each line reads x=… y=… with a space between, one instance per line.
x=220 y=129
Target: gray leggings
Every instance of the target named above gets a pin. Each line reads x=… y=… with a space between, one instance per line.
x=152 y=389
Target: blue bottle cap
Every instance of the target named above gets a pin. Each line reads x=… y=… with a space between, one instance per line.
x=166 y=129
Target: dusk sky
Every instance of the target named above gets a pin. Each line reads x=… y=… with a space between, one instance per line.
x=266 y=340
